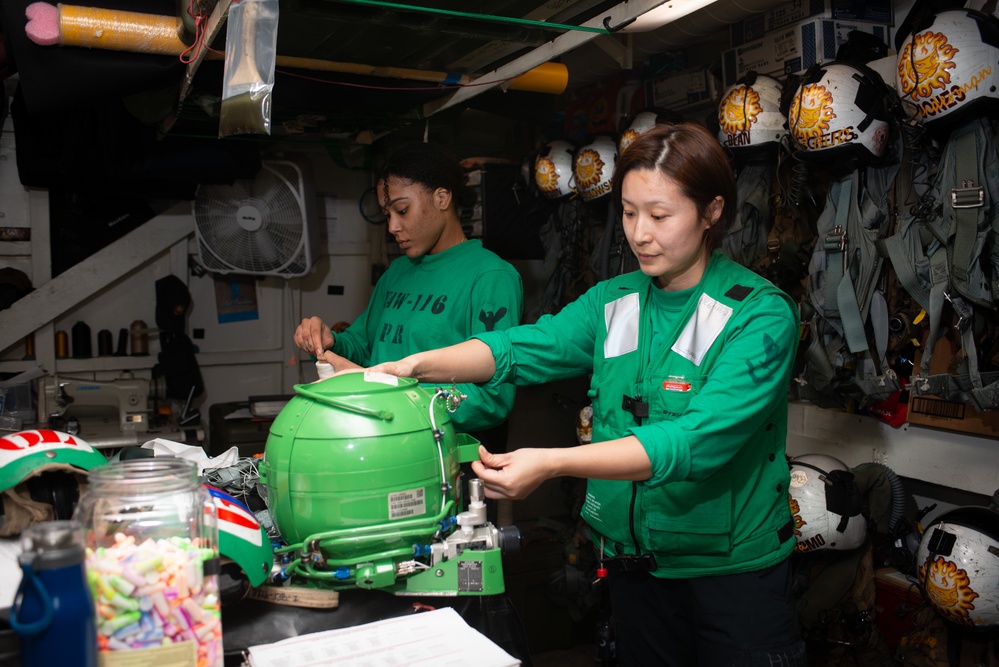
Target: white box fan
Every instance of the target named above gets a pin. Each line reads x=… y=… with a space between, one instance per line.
x=264 y=226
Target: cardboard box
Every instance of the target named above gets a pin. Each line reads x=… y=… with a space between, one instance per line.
x=794 y=49
x=681 y=90
x=789 y=13
x=936 y=412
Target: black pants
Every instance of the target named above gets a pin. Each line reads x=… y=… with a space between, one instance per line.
x=736 y=620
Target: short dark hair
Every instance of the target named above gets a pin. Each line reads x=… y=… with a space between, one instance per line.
x=691 y=156
x=431 y=166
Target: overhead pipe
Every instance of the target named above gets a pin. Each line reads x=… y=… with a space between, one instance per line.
x=94 y=27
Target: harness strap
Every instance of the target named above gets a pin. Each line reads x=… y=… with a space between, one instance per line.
x=746 y=241
x=940 y=281
x=820 y=370
x=958 y=388
x=880 y=387
x=966 y=199
x=835 y=245
x=901 y=249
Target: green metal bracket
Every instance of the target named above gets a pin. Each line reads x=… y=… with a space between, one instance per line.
x=471 y=573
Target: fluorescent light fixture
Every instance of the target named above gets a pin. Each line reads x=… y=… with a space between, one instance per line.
x=665 y=13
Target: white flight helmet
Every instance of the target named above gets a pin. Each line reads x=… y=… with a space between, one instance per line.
x=593 y=167
x=553 y=169
x=642 y=121
x=958 y=564
x=825 y=504
x=839 y=115
x=749 y=115
x=949 y=66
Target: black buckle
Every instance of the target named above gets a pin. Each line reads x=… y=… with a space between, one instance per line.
x=835 y=240
x=773 y=249
x=636 y=406
x=967 y=196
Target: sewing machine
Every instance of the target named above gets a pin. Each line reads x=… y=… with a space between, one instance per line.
x=127 y=400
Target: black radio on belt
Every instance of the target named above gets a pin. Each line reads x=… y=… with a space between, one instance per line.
x=631 y=563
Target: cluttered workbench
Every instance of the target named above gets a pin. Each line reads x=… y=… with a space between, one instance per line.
x=357 y=513
x=254 y=622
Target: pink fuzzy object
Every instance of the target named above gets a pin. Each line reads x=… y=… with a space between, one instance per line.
x=43 y=23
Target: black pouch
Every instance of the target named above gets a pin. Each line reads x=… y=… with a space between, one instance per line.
x=631 y=563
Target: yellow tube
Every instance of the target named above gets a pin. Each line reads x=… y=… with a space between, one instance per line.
x=363 y=70
x=119 y=30
x=93 y=27
x=545 y=78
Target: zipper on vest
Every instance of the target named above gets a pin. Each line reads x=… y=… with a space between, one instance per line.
x=631 y=517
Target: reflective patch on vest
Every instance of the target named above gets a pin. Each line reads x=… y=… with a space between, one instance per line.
x=621 y=319
x=702 y=329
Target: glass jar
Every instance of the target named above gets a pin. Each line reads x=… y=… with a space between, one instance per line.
x=153 y=561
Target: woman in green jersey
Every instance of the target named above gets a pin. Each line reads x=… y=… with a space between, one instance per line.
x=444 y=289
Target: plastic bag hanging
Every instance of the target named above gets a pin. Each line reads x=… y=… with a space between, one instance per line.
x=248 y=79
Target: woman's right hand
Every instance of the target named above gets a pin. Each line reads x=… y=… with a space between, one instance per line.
x=313 y=336
x=512 y=475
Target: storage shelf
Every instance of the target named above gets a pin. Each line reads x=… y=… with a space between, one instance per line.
x=17 y=366
x=105 y=364
x=70 y=366
x=15 y=249
x=236 y=357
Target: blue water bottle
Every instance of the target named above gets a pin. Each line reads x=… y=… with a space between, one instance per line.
x=53 y=611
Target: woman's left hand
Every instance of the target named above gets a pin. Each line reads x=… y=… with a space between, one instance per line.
x=512 y=475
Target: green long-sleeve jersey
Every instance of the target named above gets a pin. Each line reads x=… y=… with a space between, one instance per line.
x=439 y=300
x=700 y=377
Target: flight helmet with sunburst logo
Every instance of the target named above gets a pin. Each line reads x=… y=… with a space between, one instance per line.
x=826 y=506
x=840 y=115
x=645 y=120
x=593 y=167
x=958 y=566
x=553 y=169
x=749 y=115
x=948 y=66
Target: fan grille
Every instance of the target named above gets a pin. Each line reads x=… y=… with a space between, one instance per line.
x=257 y=226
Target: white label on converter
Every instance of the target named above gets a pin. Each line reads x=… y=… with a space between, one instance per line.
x=404 y=504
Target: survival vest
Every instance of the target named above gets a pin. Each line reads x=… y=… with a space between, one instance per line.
x=845 y=309
x=946 y=255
